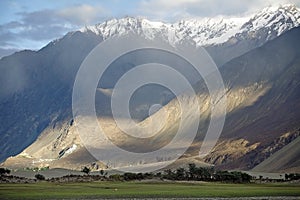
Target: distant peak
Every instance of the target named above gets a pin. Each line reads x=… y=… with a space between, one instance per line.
x=205 y=31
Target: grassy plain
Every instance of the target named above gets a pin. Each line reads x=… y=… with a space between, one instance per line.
x=47 y=190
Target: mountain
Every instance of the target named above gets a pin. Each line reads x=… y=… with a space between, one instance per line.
x=272 y=121
x=283 y=160
x=262 y=89
x=261 y=27
x=268 y=23
x=224 y=38
x=36 y=87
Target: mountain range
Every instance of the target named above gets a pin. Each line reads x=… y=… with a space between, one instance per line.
x=259 y=60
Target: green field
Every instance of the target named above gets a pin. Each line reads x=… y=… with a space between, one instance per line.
x=44 y=190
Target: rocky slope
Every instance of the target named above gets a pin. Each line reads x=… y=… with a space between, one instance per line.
x=36 y=87
x=258 y=87
x=273 y=120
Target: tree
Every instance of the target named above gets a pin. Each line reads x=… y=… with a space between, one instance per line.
x=180 y=174
x=234 y=177
x=4 y=171
x=101 y=172
x=292 y=176
x=158 y=175
x=132 y=176
x=115 y=177
x=246 y=178
x=286 y=176
x=86 y=170
x=148 y=175
x=168 y=174
x=39 y=177
x=192 y=171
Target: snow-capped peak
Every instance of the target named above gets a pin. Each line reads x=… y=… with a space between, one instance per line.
x=273 y=20
x=276 y=18
x=207 y=31
x=121 y=26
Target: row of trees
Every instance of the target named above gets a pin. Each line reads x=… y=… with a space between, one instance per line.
x=206 y=174
x=292 y=176
x=193 y=173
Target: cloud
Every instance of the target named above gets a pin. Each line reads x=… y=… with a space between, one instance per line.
x=165 y=9
x=40 y=27
x=36 y=26
x=6 y=52
x=82 y=14
x=174 y=10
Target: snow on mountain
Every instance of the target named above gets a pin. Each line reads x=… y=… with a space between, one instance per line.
x=283 y=17
x=276 y=19
x=206 y=31
x=122 y=26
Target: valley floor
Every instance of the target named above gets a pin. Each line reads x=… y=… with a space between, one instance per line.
x=119 y=190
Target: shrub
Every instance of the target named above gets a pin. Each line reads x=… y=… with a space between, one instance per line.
x=115 y=177
x=86 y=170
x=39 y=177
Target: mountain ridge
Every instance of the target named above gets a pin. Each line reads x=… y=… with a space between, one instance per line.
x=41 y=100
x=254 y=84
x=207 y=31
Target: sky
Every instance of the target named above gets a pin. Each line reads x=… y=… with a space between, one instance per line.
x=33 y=24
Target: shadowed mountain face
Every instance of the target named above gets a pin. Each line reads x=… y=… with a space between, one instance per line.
x=36 y=88
x=276 y=64
x=273 y=120
x=262 y=91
